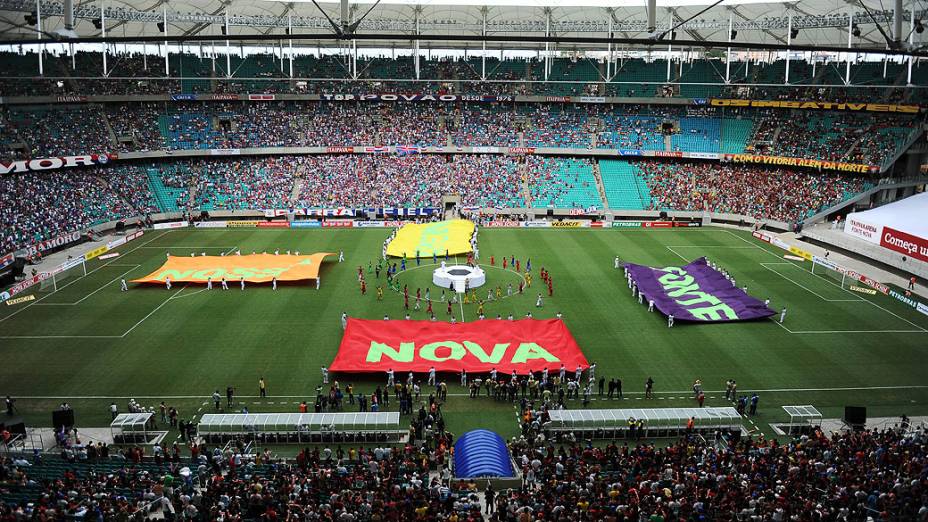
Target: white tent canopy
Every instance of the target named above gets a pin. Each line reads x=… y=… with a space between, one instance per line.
x=899 y=226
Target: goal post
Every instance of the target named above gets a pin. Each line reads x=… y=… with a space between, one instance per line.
x=61 y=275
x=824 y=268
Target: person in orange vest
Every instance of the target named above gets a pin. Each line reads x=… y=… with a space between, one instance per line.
x=303 y=407
x=690 y=424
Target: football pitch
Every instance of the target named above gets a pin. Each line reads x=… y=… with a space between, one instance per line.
x=90 y=344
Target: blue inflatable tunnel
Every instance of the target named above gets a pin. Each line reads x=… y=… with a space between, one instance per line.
x=481 y=453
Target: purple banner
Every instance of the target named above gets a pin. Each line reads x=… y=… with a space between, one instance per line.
x=696 y=292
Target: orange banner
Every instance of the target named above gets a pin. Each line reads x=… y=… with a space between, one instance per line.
x=255 y=268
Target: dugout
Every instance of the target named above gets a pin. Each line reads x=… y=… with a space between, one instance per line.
x=656 y=422
x=135 y=428
x=301 y=428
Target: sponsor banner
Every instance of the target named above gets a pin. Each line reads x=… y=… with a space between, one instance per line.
x=569 y=224
x=377 y=150
x=668 y=154
x=860 y=229
x=792 y=257
x=369 y=224
x=696 y=292
x=95 y=252
x=171 y=224
x=762 y=236
x=899 y=241
x=339 y=150
x=210 y=224
x=687 y=224
x=576 y=212
x=135 y=235
x=22 y=299
x=116 y=243
x=222 y=96
x=630 y=152
x=868 y=291
x=242 y=224
x=337 y=223
x=876 y=285
x=521 y=150
x=557 y=99
x=799 y=162
x=261 y=97
x=255 y=268
x=59 y=162
x=24 y=285
x=224 y=152
x=703 y=155
x=657 y=224
x=306 y=224
x=536 y=224
x=627 y=224
x=51 y=244
x=503 y=223
x=486 y=150
x=396 y=223
x=596 y=224
x=700 y=101
x=922 y=308
x=451 y=237
x=183 y=97
x=801 y=253
x=824 y=262
x=827 y=106
x=415 y=97
x=7 y=260
x=591 y=99
x=109 y=256
x=72 y=99
x=523 y=346
x=274 y=224
x=398 y=211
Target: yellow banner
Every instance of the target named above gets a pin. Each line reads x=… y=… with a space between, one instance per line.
x=18 y=300
x=825 y=106
x=862 y=290
x=255 y=268
x=801 y=253
x=438 y=238
x=241 y=224
x=95 y=252
x=799 y=162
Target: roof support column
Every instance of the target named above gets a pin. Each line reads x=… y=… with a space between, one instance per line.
x=789 y=41
x=897 y=20
x=731 y=23
x=167 y=65
x=547 y=44
x=483 y=56
x=850 y=36
x=38 y=31
x=652 y=16
x=416 y=43
x=103 y=34
x=911 y=41
x=609 y=56
x=228 y=49
x=290 y=40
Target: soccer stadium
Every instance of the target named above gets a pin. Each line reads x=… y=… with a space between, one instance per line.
x=452 y=260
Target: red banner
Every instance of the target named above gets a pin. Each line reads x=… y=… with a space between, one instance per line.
x=416 y=346
x=897 y=240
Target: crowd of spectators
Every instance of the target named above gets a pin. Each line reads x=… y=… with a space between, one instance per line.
x=38 y=131
x=781 y=194
x=878 y=475
x=867 y=475
x=45 y=205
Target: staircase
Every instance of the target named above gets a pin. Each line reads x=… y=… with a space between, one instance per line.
x=114 y=140
x=526 y=193
x=295 y=193
x=599 y=183
x=668 y=142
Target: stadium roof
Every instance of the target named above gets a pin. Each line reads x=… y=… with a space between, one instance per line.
x=820 y=22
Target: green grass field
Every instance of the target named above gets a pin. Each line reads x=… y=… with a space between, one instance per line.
x=90 y=344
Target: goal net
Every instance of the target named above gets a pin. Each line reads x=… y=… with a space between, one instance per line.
x=63 y=275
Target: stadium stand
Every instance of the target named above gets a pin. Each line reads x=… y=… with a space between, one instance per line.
x=625 y=188
x=562 y=183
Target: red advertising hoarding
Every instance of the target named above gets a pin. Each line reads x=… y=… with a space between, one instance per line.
x=416 y=346
x=898 y=241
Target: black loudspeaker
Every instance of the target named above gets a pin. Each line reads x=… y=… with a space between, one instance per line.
x=550 y=212
x=120 y=227
x=855 y=416
x=19 y=266
x=63 y=417
x=663 y=215
x=14 y=424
